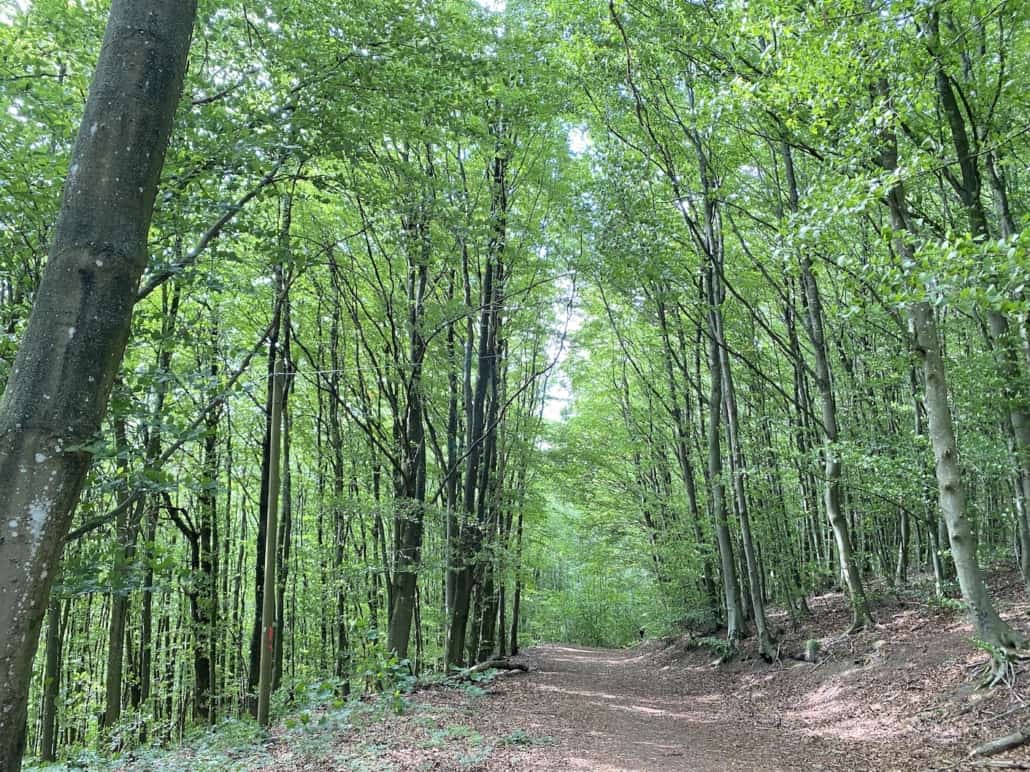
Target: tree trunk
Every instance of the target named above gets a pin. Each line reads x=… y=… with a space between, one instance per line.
x=481 y=430
x=254 y=668
x=989 y=627
x=731 y=590
x=72 y=349
x=268 y=620
x=860 y=615
x=737 y=470
x=409 y=505
x=901 y=570
x=126 y=527
x=51 y=682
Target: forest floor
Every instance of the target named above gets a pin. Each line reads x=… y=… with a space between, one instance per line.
x=901 y=696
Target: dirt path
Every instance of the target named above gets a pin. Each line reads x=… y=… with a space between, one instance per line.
x=600 y=710
x=611 y=711
x=898 y=696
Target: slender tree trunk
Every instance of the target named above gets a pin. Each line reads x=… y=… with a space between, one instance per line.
x=126 y=525
x=832 y=465
x=262 y=537
x=285 y=546
x=737 y=470
x=901 y=570
x=731 y=591
x=410 y=503
x=481 y=431
x=284 y=538
x=206 y=579
x=51 y=682
x=951 y=495
x=268 y=621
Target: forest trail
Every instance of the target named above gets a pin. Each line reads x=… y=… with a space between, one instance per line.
x=900 y=696
x=617 y=710
x=608 y=710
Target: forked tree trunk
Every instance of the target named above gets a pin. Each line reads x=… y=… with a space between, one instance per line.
x=73 y=346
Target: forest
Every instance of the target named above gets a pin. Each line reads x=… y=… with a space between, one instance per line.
x=346 y=345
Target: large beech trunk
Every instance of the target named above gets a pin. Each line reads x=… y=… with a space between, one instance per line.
x=57 y=394
x=988 y=626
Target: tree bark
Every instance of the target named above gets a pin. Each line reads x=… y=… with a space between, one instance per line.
x=737 y=470
x=989 y=627
x=76 y=335
x=724 y=540
x=268 y=621
x=51 y=682
x=832 y=466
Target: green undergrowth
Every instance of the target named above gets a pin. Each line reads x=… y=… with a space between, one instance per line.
x=310 y=723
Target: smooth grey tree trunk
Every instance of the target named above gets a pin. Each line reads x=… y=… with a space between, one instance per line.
x=988 y=626
x=57 y=394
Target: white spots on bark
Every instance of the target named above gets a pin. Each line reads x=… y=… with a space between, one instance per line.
x=40 y=458
x=38 y=511
x=71 y=333
x=93 y=129
x=100 y=263
x=12 y=524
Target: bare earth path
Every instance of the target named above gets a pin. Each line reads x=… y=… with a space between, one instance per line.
x=614 y=710
x=610 y=710
x=900 y=695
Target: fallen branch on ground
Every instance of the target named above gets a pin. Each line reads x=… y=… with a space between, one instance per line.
x=502 y=663
x=437 y=680
x=1002 y=744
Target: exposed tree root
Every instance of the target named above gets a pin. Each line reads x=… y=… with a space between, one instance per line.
x=1001 y=667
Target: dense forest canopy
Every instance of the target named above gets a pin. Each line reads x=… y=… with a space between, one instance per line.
x=458 y=324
